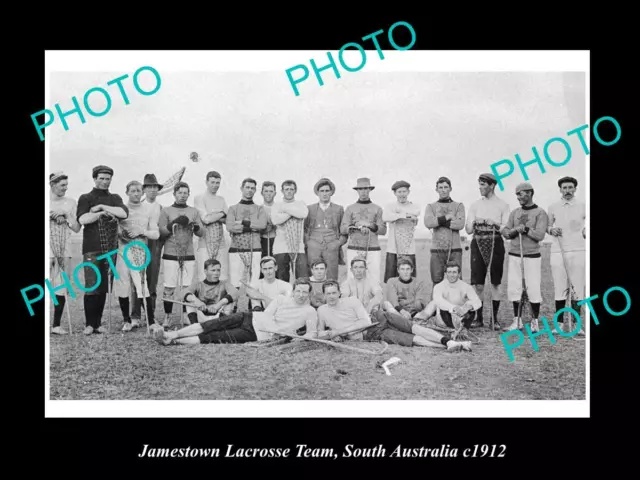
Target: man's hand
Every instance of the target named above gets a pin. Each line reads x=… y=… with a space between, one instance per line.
x=97 y=208
x=364 y=230
x=448 y=216
x=405 y=314
x=520 y=228
x=489 y=222
x=134 y=231
x=556 y=231
x=411 y=216
x=61 y=219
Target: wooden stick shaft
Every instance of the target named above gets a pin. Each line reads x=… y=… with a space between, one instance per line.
x=326 y=342
x=351 y=330
x=179 y=303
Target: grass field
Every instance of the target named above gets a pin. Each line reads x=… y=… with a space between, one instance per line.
x=131 y=366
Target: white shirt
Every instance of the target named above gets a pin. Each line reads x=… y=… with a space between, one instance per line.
x=448 y=295
x=494 y=209
x=570 y=216
x=271 y=290
x=395 y=213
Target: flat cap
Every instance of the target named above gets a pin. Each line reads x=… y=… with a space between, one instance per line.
x=523 y=186
x=55 y=176
x=488 y=177
x=400 y=184
x=568 y=179
x=102 y=169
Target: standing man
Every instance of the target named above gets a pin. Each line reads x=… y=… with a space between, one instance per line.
x=213 y=212
x=141 y=225
x=178 y=249
x=487 y=220
x=402 y=216
x=567 y=228
x=288 y=216
x=526 y=227
x=150 y=188
x=63 y=221
x=445 y=218
x=245 y=222
x=269 y=235
x=365 y=289
x=98 y=204
x=322 y=229
x=363 y=223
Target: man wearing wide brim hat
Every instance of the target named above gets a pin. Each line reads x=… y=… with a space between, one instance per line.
x=486 y=219
x=567 y=228
x=150 y=189
x=322 y=229
x=362 y=222
x=92 y=206
x=526 y=228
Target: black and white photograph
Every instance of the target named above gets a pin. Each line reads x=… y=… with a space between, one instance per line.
x=382 y=243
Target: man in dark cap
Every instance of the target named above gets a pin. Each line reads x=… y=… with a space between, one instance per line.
x=486 y=220
x=445 y=218
x=97 y=208
x=526 y=228
x=362 y=221
x=322 y=229
x=567 y=219
x=63 y=221
x=402 y=216
x=150 y=189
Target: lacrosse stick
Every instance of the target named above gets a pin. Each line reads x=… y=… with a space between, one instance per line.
x=182 y=236
x=482 y=234
x=404 y=232
x=361 y=255
x=293 y=233
x=525 y=296
x=385 y=346
x=213 y=238
x=139 y=257
x=572 y=296
x=108 y=232
x=58 y=240
x=244 y=242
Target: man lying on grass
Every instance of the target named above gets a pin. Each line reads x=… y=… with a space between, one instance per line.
x=284 y=314
x=340 y=313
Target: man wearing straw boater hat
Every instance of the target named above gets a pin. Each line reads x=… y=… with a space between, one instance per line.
x=402 y=216
x=322 y=229
x=63 y=220
x=362 y=222
x=526 y=227
x=568 y=233
x=150 y=188
x=99 y=211
x=486 y=220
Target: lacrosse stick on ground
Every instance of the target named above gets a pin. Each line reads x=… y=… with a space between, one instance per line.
x=293 y=228
x=183 y=236
x=58 y=241
x=108 y=231
x=485 y=236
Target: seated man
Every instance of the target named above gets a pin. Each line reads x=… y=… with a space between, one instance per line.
x=365 y=289
x=284 y=314
x=405 y=293
x=342 y=313
x=455 y=301
x=210 y=296
x=318 y=277
x=268 y=287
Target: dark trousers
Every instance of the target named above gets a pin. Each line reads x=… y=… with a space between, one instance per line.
x=391 y=266
x=283 y=260
x=438 y=261
x=466 y=320
x=152 y=273
x=95 y=300
x=328 y=250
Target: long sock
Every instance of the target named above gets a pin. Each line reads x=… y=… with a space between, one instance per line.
x=516 y=308
x=58 y=309
x=150 y=307
x=100 y=304
x=559 y=305
x=90 y=308
x=536 y=309
x=168 y=307
x=445 y=339
x=124 y=307
x=496 y=308
x=193 y=317
x=479 y=318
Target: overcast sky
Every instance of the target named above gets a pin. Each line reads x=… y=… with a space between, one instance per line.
x=385 y=125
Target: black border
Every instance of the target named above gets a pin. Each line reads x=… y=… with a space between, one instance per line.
x=554 y=445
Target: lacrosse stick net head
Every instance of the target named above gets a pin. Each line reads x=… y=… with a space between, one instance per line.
x=168 y=185
x=404 y=231
x=293 y=229
x=58 y=235
x=213 y=238
x=244 y=242
x=108 y=232
x=485 y=238
x=183 y=237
